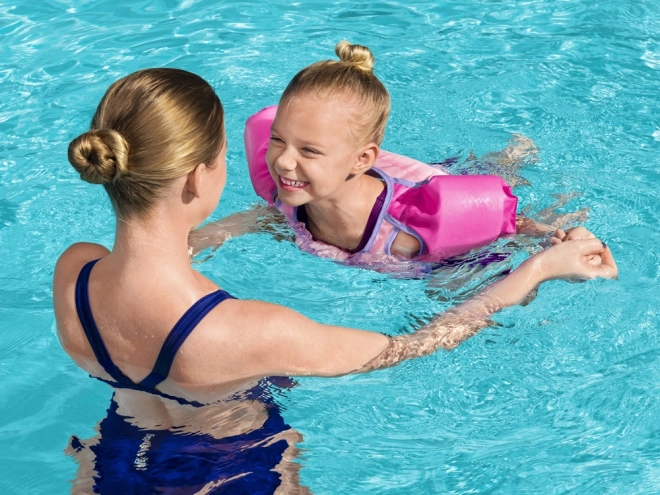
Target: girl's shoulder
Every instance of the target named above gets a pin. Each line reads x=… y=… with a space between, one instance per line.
x=406 y=168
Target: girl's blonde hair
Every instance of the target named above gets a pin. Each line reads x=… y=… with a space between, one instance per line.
x=351 y=76
x=151 y=127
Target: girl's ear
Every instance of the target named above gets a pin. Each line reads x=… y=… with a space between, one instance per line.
x=366 y=159
x=194 y=182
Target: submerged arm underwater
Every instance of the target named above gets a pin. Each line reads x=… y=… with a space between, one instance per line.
x=257 y=219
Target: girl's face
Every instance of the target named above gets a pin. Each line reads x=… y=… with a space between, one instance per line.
x=312 y=149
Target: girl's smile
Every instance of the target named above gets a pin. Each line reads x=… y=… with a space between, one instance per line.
x=291 y=185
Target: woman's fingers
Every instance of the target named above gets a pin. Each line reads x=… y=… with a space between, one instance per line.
x=606 y=271
x=591 y=246
x=608 y=265
x=594 y=259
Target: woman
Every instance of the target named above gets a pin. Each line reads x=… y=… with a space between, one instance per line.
x=140 y=318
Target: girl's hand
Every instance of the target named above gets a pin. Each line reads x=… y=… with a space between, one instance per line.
x=573 y=259
x=571 y=235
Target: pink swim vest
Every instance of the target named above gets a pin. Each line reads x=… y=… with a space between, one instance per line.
x=448 y=214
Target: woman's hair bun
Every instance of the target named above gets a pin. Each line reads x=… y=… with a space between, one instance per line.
x=357 y=55
x=99 y=156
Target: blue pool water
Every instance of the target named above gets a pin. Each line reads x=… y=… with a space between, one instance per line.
x=560 y=397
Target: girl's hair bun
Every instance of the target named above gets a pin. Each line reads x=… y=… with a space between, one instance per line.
x=357 y=55
x=100 y=156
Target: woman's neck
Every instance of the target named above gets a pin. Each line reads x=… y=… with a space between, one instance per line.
x=157 y=239
x=341 y=220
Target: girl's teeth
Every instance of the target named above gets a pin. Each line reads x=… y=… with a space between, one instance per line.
x=293 y=183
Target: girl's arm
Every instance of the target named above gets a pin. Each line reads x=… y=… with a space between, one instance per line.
x=256 y=219
x=532 y=228
x=551 y=220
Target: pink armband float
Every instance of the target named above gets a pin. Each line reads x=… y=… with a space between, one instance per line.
x=448 y=214
x=257 y=138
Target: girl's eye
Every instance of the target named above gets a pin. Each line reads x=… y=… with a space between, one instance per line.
x=310 y=151
x=276 y=139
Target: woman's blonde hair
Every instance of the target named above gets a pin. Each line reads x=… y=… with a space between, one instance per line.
x=151 y=127
x=351 y=76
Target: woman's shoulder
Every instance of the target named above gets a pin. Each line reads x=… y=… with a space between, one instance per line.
x=66 y=273
x=67 y=270
x=74 y=258
x=82 y=249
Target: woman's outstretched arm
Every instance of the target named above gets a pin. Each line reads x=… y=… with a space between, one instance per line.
x=275 y=340
x=572 y=260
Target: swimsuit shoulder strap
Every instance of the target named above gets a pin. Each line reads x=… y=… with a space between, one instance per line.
x=173 y=342
x=179 y=334
x=84 y=311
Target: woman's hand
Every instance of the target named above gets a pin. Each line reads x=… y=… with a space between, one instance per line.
x=574 y=234
x=577 y=258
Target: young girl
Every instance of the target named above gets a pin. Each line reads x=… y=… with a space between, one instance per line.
x=317 y=159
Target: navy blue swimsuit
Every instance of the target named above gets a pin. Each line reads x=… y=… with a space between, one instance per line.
x=132 y=460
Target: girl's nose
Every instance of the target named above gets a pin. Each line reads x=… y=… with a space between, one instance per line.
x=285 y=162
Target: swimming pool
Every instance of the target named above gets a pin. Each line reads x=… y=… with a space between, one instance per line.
x=560 y=397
